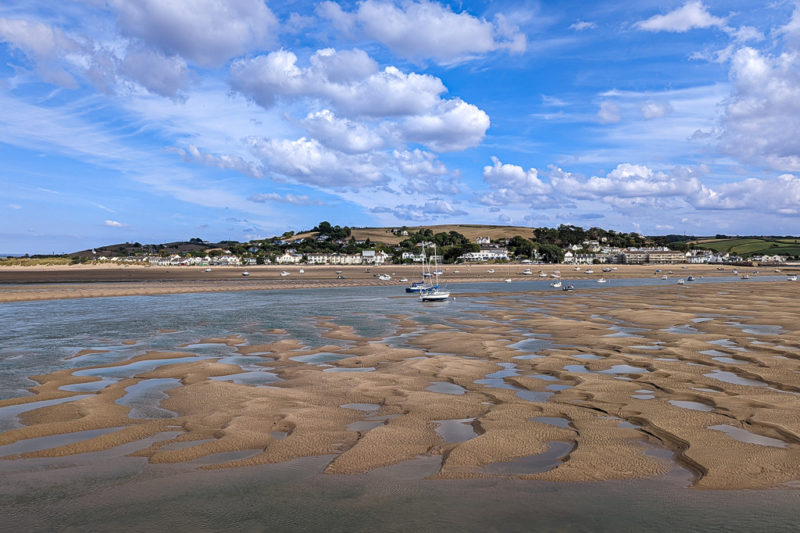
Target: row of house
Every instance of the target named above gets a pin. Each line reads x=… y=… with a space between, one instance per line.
x=366 y=257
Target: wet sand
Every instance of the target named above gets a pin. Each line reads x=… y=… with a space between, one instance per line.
x=635 y=381
x=94 y=281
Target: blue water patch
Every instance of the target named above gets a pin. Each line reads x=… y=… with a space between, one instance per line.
x=144 y=397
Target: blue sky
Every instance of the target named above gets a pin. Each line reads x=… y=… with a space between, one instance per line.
x=152 y=121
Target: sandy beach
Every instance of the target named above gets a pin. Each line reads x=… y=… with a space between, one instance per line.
x=92 y=281
x=611 y=384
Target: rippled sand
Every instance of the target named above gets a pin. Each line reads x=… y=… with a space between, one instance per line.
x=633 y=379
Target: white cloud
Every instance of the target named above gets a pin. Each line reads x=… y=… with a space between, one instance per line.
x=582 y=25
x=781 y=194
x=294 y=199
x=455 y=125
x=652 y=109
x=155 y=72
x=506 y=176
x=761 y=121
x=693 y=14
x=342 y=134
x=114 y=224
x=15 y=206
x=422 y=30
x=206 y=32
x=410 y=103
x=44 y=45
x=228 y=162
x=308 y=161
x=609 y=112
x=385 y=93
x=627 y=181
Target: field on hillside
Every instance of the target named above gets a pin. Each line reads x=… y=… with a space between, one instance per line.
x=746 y=247
x=470 y=231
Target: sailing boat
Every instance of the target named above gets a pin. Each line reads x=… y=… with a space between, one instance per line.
x=432 y=293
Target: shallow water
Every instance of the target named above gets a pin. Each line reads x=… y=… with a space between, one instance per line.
x=742 y=435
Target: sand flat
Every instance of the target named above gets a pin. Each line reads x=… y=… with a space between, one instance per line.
x=621 y=402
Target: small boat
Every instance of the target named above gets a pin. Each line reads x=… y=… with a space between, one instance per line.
x=527 y=272
x=284 y=273
x=664 y=277
x=735 y=272
x=556 y=284
x=384 y=277
x=588 y=271
x=576 y=268
x=681 y=281
x=791 y=278
x=208 y=270
x=568 y=288
x=606 y=269
x=403 y=280
x=245 y=273
x=542 y=275
x=690 y=278
x=745 y=276
x=602 y=280
x=432 y=293
x=302 y=271
x=507 y=280
x=417 y=286
x=490 y=271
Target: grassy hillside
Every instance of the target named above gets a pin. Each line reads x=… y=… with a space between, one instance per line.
x=752 y=246
x=470 y=231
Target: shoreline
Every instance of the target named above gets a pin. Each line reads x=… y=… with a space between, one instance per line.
x=19 y=284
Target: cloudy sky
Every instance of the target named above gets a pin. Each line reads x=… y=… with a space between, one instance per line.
x=151 y=121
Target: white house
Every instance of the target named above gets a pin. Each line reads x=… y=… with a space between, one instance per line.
x=288 y=258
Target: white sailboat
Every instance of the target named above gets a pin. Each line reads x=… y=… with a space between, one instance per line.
x=432 y=294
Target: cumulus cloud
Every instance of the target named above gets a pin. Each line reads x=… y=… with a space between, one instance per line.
x=385 y=93
x=652 y=109
x=626 y=181
x=422 y=30
x=341 y=133
x=506 y=176
x=780 y=195
x=206 y=32
x=608 y=113
x=761 y=120
x=114 y=224
x=308 y=161
x=350 y=83
x=693 y=14
x=511 y=184
x=294 y=199
x=227 y=162
x=453 y=125
x=155 y=72
x=44 y=45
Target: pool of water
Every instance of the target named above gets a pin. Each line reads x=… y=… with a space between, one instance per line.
x=742 y=435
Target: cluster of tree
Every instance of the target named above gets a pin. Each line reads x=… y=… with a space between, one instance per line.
x=333 y=232
x=450 y=245
x=568 y=235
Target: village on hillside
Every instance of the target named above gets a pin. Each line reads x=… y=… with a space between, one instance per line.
x=334 y=245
